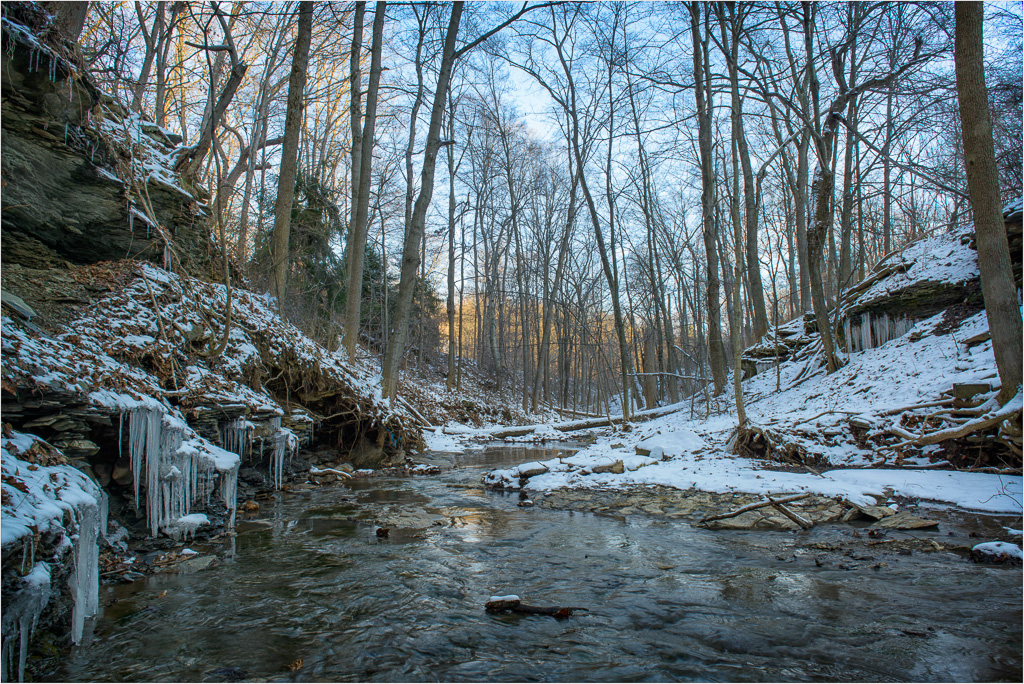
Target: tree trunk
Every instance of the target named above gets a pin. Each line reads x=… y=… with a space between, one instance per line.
x=755 y=292
x=450 y=381
x=417 y=223
x=290 y=154
x=563 y=248
x=997 y=283
x=355 y=108
x=357 y=229
x=716 y=351
x=68 y=18
x=151 y=38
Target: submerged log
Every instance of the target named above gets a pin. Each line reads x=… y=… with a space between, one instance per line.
x=500 y=604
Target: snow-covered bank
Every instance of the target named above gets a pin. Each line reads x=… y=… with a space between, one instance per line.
x=911 y=342
x=53 y=517
x=693 y=463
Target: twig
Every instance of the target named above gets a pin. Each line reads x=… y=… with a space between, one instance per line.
x=799 y=520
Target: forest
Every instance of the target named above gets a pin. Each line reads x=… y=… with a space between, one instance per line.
x=506 y=341
x=594 y=203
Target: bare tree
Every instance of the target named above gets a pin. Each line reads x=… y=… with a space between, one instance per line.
x=289 y=153
x=702 y=93
x=361 y=200
x=997 y=285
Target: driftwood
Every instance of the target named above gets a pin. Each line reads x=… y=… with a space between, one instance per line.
x=754 y=506
x=514 y=605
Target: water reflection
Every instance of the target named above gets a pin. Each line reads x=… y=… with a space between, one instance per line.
x=309 y=579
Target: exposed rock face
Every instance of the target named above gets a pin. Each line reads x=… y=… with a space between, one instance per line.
x=66 y=182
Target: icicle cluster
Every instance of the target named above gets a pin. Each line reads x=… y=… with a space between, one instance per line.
x=21 y=615
x=873 y=331
x=283 y=441
x=236 y=436
x=85 y=579
x=176 y=472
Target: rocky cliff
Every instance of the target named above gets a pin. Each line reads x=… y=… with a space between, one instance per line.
x=78 y=168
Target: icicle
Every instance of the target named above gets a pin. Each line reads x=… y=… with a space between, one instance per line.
x=236 y=436
x=20 y=616
x=229 y=493
x=136 y=445
x=277 y=456
x=153 y=453
x=865 y=331
x=84 y=580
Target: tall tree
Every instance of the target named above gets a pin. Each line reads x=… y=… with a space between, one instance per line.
x=417 y=222
x=702 y=93
x=997 y=286
x=361 y=199
x=731 y=17
x=290 y=153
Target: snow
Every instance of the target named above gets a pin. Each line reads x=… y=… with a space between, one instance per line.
x=105 y=357
x=674 y=443
x=717 y=472
x=317 y=471
x=510 y=597
x=942 y=259
x=999 y=548
x=187 y=525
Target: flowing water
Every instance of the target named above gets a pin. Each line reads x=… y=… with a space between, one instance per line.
x=308 y=579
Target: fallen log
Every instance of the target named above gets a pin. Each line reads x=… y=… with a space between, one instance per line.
x=500 y=604
x=754 y=506
x=587 y=424
x=989 y=420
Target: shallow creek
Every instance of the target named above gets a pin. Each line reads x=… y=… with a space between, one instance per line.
x=308 y=579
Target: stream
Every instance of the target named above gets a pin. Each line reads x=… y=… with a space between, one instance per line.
x=307 y=579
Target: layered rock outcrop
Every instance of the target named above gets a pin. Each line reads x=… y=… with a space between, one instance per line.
x=75 y=163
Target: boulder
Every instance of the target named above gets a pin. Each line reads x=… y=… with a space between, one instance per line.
x=905 y=521
x=615 y=467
